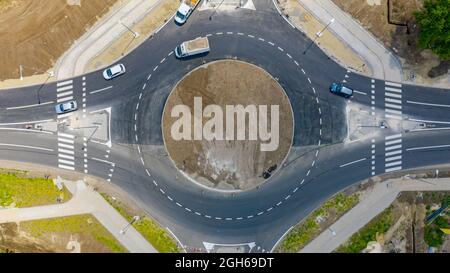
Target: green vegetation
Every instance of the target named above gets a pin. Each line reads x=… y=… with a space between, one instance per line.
x=85 y=225
x=434 y=22
x=378 y=225
x=151 y=231
x=433 y=234
x=20 y=191
x=309 y=228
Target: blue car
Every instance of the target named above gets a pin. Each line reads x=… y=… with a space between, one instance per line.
x=341 y=90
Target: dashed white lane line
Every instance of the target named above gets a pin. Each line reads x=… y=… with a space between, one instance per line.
x=285 y=198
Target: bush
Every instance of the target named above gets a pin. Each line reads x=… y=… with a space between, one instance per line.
x=434 y=23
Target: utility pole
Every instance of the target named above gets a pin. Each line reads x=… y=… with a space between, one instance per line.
x=318 y=35
x=135 y=219
x=215 y=10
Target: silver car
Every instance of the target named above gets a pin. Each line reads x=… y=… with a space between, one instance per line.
x=66 y=107
x=114 y=71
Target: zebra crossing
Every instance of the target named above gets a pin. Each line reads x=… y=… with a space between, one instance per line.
x=66 y=151
x=66 y=142
x=393 y=153
x=393 y=100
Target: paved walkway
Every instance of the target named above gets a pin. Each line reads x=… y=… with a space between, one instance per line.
x=381 y=61
x=84 y=201
x=380 y=198
x=105 y=32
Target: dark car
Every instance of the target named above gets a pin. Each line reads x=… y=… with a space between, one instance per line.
x=341 y=90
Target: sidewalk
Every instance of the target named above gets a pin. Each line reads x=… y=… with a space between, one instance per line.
x=115 y=24
x=84 y=201
x=381 y=61
x=376 y=201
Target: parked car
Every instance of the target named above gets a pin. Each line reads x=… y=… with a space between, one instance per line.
x=341 y=90
x=114 y=71
x=66 y=107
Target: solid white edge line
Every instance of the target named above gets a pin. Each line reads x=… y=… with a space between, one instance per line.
x=428 y=147
x=101 y=90
x=29 y=106
x=26 y=147
x=353 y=162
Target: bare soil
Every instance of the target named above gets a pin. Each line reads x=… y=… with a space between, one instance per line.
x=35 y=33
x=399 y=33
x=228 y=165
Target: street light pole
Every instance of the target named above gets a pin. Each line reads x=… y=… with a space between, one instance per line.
x=215 y=10
x=318 y=35
x=135 y=219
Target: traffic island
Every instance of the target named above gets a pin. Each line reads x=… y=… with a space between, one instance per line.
x=228 y=126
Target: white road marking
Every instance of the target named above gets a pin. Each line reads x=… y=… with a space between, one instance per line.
x=66 y=162
x=64 y=99
x=430 y=121
x=394 y=153
x=393 y=164
x=393 y=95
x=66 y=167
x=394 y=111
x=66 y=135
x=64 y=94
x=390 y=148
x=393 y=169
x=104 y=161
x=353 y=162
x=359 y=92
x=393 y=84
x=428 y=104
x=428 y=147
x=70 y=87
x=64 y=83
x=394 y=158
x=27 y=130
x=26 y=147
x=26 y=122
x=393 y=100
x=30 y=106
x=395 y=106
x=396 y=90
x=392 y=142
x=101 y=90
x=66 y=151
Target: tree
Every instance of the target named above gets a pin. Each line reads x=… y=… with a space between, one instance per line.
x=434 y=23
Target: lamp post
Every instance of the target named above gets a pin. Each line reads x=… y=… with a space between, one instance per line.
x=318 y=35
x=135 y=219
x=215 y=10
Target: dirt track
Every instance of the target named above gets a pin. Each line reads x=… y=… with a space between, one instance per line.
x=35 y=33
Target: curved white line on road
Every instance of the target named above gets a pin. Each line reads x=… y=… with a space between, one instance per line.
x=428 y=147
x=428 y=104
x=26 y=147
x=30 y=106
x=26 y=122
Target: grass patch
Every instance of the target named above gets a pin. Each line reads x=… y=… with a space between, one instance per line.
x=308 y=229
x=85 y=225
x=378 y=225
x=152 y=232
x=20 y=191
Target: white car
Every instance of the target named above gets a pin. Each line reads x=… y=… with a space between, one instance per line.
x=114 y=71
x=66 y=107
x=183 y=13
